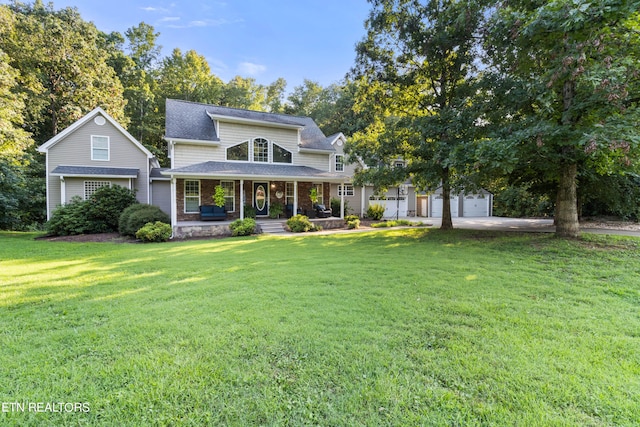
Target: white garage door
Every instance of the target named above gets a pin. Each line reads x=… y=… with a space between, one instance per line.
x=436 y=206
x=475 y=205
x=393 y=206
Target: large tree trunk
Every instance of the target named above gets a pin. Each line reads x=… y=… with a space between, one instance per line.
x=447 y=222
x=566 y=217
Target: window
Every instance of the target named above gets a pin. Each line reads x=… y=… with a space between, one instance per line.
x=229 y=195
x=90 y=187
x=99 y=148
x=191 y=196
x=239 y=152
x=260 y=150
x=348 y=190
x=289 y=193
x=339 y=163
x=280 y=155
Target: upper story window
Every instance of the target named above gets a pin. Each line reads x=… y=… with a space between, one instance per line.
x=239 y=152
x=339 y=163
x=259 y=150
x=100 y=148
x=280 y=155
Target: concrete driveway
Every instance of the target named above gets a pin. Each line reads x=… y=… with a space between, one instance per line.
x=519 y=224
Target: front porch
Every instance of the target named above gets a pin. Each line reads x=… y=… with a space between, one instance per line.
x=189 y=229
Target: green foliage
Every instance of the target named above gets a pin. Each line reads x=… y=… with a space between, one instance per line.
x=300 y=224
x=154 y=232
x=353 y=221
x=564 y=96
x=375 y=212
x=520 y=201
x=136 y=216
x=335 y=207
x=70 y=219
x=243 y=227
x=218 y=196
x=98 y=214
x=106 y=205
x=276 y=209
x=249 y=211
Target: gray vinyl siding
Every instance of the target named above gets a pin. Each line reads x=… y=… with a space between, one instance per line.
x=75 y=186
x=75 y=150
x=161 y=195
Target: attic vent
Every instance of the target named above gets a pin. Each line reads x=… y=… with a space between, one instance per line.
x=99 y=120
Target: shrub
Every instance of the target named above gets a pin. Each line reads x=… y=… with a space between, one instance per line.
x=352 y=221
x=335 y=207
x=249 y=211
x=300 y=224
x=98 y=214
x=154 y=232
x=243 y=227
x=136 y=216
x=375 y=211
x=105 y=206
x=69 y=219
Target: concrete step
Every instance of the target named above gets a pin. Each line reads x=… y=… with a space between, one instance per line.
x=272 y=227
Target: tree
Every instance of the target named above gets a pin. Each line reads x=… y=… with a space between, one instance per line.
x=568 y=84
x=63 y=71
x=416 y=71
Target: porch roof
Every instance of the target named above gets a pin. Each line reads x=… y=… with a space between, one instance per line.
x=254 y=171
x=90 y=171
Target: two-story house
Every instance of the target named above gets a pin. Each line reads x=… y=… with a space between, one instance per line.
x=258 y=158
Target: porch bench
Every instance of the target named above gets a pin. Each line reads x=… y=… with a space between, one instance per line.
x=212 y=213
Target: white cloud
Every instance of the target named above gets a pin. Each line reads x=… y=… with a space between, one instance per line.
x=251 y=69
x=155 y=9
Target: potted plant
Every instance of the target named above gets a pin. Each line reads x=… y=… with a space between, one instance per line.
x=313 y=195
x=219 y=201
x=275 y=210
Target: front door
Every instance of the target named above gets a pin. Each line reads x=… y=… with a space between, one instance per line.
x=260 y=201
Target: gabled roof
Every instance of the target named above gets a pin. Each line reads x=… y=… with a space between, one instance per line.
x=191 y=121
x=77 y=124
x=254 y=170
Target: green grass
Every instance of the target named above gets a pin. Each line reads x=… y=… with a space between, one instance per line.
x=392 y=327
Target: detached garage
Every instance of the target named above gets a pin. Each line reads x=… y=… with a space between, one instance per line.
x=468 y=205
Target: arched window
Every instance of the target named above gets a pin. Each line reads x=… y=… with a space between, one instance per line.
x=260 y=150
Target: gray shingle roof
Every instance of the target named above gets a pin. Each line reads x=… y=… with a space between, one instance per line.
x=95 y=171
x=191 y=121
x=253 y=170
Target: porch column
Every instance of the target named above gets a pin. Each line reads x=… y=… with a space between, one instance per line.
x=63 y=191
x=342 y=200
x=242 y=199
x=362 y=201
x=295 y=198
x=174 y=203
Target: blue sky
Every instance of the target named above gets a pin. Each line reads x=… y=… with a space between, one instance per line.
x=263 y=39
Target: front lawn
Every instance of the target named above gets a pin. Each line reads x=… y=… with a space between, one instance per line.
x=393 y=327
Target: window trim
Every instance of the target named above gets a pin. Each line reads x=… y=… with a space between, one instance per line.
x=232 y=197
x=93 y=148
x=349 y=190
x=185 y=196
x=339 y=161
